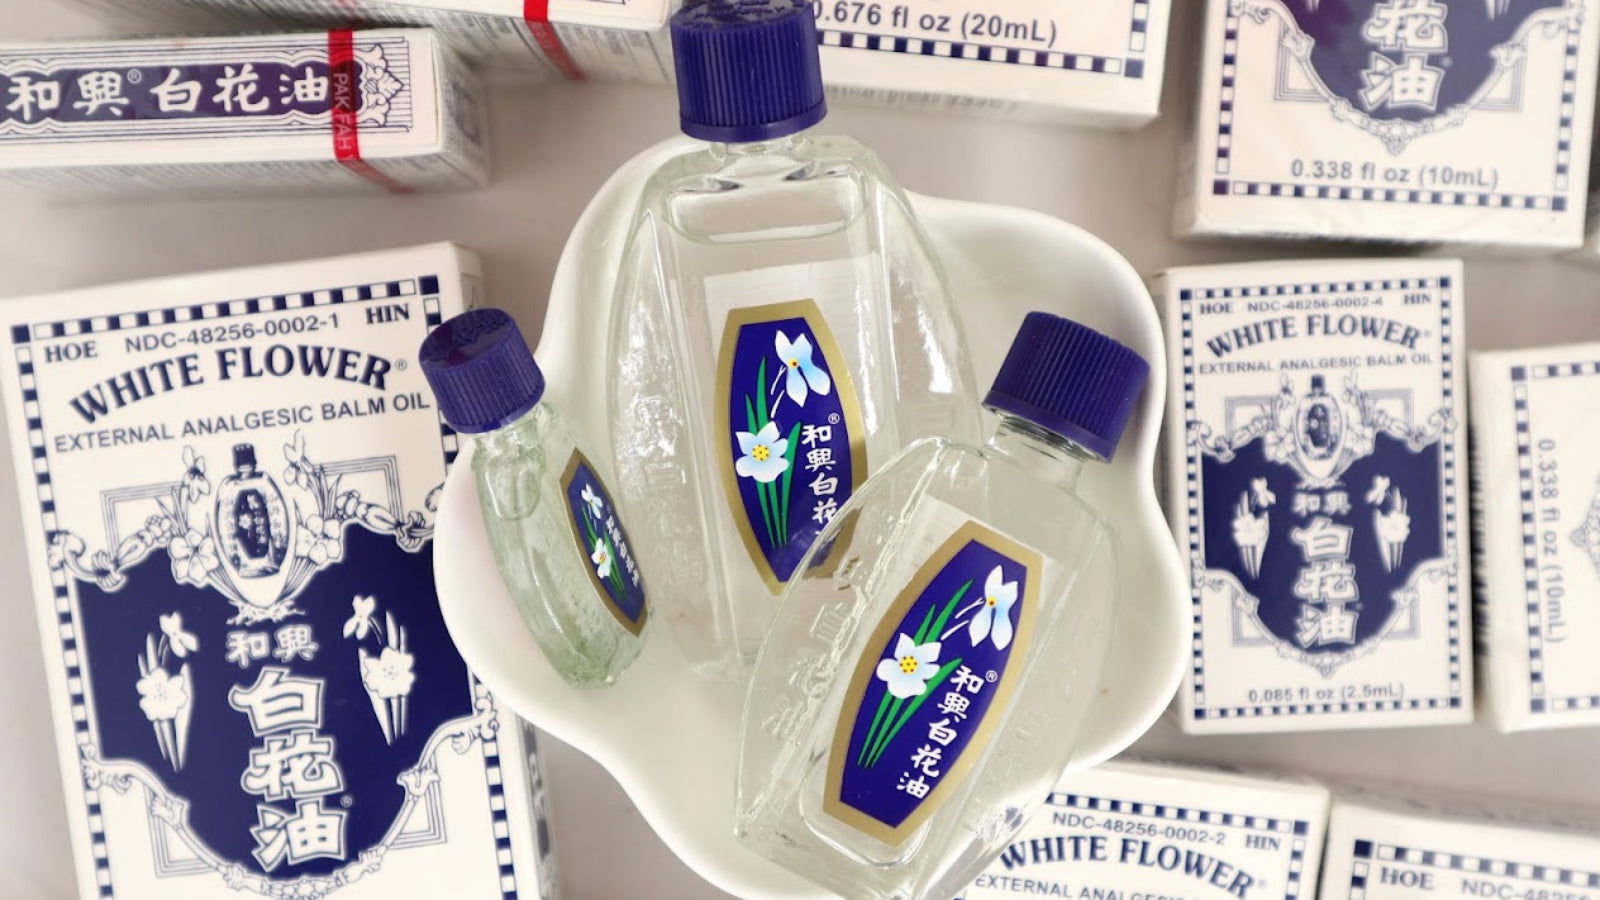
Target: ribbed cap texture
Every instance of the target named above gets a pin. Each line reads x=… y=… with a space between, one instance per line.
x=748 y=70
x=244 y=455
x=1070 y=379
x=481 y=371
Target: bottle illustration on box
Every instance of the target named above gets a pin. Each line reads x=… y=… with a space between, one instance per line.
x=928 y=670
x=781 y=327
x=252 y=521
x=558 y=540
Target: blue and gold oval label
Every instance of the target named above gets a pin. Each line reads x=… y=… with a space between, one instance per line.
x=603 y=541
x=938 y=671
x=791 y=447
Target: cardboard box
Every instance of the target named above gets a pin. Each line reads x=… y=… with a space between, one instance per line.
x=1402 y=120
x=605 y=40
x=1134 y=829
x=1315 y=460
x=227 y=484
x=337 y=110
x=1536 y=483
x=1094 y=62
x=1382 y=849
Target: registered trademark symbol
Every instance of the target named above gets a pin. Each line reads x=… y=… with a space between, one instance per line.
x=135 y=76
x=346 y=802
x=400 y=364
x=990 y=676
x=833 y=418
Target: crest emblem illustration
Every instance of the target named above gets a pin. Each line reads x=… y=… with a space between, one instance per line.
x=270 y=666
x=1399 y=69
x=917 y=711
x=1586 y=536
x=792 y=444
x=1323 y=545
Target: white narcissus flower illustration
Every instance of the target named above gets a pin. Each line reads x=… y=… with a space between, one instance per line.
x=194 y=557
x=161 y=695
x=181 y=642
x=319 y=539
x=994 y=616
x=388 y=674
x=1379 y=489
x=804 y=376
x=763 y=457
x=295 y=453
x=360 y=621
x=912 y=666
x=597 y=507
x=601 y=557
x=195 y=483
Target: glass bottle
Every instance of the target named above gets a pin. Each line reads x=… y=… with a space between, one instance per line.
x=558 y=541
x=252 y=521
x=780 y=329
x=926 y=677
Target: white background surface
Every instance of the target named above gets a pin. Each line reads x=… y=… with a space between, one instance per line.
x=553 y=147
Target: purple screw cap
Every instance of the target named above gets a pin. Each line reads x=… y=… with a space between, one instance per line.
x=481 y=371
x=748 y=70
x=1071 y=380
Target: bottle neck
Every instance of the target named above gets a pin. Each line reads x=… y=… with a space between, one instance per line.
x=790 y=146
x=516 y=433
x=1053 y=457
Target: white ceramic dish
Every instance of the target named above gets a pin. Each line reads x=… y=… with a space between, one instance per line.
x=671 y=741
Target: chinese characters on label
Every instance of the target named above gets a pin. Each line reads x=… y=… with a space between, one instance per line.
x=294 y=763
x=1414 y=29
x=164 y=92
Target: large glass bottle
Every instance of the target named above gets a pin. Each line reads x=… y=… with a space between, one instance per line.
x=558 y=540
x=780 y=329
x=927 y=674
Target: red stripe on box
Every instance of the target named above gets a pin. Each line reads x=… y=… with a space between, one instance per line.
x=537 y=14
x=344 y=92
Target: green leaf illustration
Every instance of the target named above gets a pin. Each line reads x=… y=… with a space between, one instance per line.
x=949 y=609
x=883 y=707
x=616 y=567
x=788 y=476
x=895 y=703
x=938 y=679
x=761 y=494
x=761 y=391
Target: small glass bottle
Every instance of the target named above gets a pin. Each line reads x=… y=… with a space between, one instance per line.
x=558 y=540
x=781 y=328
x=926 y=677
x=252 y=521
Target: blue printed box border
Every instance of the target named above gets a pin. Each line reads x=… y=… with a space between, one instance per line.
x=1186 y=298
x=1296 y=830
x=22 y=337
x=1540 y=703
x=1365 y=853
x=1223 y=186
x=1130 y=66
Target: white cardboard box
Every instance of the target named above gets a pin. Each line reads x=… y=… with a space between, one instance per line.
x=1380 y=848
x=338 y=110
x=254 y=689
x=1418 y=121
x=607 y=40
x=1094 y=62
x=1135 y=829
x=1536 y=481
x=1315 y=467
